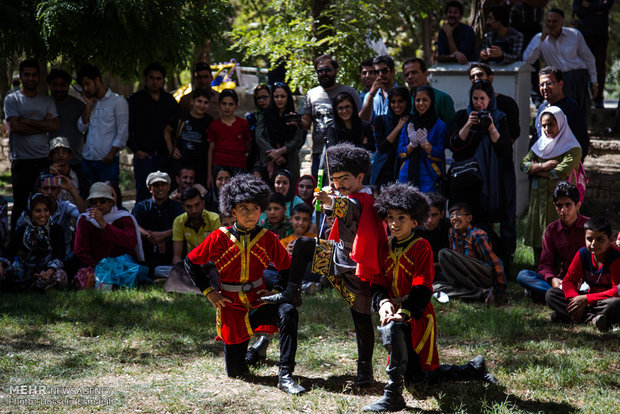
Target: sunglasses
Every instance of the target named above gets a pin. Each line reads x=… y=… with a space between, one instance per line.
x=320 y=71
x=381 y=71
x=95 y=201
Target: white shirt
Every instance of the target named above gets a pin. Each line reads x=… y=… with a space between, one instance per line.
x=568 y=52
x=107 y=128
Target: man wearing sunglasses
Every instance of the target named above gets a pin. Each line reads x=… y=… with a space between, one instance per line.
x=376 y=100
x=318 y=108
x=563 y=238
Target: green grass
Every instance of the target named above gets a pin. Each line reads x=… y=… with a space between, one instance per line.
x=154 y=352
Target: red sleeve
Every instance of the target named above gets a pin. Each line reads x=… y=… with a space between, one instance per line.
x=279 y=255
x=207 y=250
x=82 y=248
x=547 y=257
x=573 y=278
x=614 y=269
x=424 y=270
x=122 y=232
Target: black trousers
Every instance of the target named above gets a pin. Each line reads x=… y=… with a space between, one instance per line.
x=609 y=307
x=24 y=174
x=283 y=315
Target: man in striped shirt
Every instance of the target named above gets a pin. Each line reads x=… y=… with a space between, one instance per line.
x=470 y=268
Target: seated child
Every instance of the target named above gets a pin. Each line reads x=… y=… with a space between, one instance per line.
x=563 y=238
x=598 y=265
x=236 y=294
x=403 y=300
x=34 y=257
x=470 y=268
x=436 y=228
x=276 y=219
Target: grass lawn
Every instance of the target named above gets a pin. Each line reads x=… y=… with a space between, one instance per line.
x=148 y=351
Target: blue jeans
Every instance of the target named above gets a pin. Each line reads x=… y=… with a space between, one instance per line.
x=533 y=281
x=97 y=171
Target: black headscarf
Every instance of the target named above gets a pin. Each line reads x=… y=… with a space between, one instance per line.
x=353 y=135
x=429 y=118
x=279 y=133
x=403 y=93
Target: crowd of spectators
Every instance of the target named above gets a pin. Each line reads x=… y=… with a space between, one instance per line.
x=65 y=164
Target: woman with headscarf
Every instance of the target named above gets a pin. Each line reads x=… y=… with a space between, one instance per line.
x=552 y=158
x=279 y=139
x=348 y=126
x=422 y=149
x=212 y=200
x=262 y=98
x=480 y=140
x=35 y=255
x=388 y=130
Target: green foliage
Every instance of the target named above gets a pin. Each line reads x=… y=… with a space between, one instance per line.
x=300 y=30
x=119 y=36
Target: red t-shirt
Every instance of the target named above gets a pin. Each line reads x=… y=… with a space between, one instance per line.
x=230 y=142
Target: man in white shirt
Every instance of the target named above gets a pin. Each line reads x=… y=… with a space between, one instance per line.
x=566 y=49
x=106 y=119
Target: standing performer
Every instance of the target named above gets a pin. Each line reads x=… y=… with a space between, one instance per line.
x=240 y=254
x=408 y=324
x=350 y=259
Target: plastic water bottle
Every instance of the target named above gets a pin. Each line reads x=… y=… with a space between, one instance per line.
x=18 y=267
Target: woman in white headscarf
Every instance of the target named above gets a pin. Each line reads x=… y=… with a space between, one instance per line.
x=550 y=160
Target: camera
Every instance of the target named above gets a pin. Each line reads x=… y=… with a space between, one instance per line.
x=485 y=119
x=292 y=117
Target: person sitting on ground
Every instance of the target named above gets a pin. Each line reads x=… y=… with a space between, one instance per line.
x=155 y=216
x=236 y=295
x=563 y=238
x=186 y=178
x=60 y=156
x=422 y=148
x=193 y=226
x=403 y=300
x=276 y=219
x=186 y=135
x=104 y=230
x=305 y=189
x=456 y=40
x=436 y=228
x=596 y=265
x=502 y=43
x=553 y=157
x=470 y=268
x=37 y=249
x=222 y=177
x=64 y=213
x=283 y=184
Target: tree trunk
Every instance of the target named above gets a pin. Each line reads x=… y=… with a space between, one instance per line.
x=427 y=38
x=320 y=23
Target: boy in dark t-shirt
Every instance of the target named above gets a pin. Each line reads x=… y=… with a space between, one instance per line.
x=598 y=266
x=436 y=228
x=186 y=136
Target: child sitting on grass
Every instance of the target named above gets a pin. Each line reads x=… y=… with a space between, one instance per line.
x=597 y=265
x=276 y=219
x=403 y=300
x=37 y=249
x=241 y=254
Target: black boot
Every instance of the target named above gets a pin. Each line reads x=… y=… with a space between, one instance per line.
x=364 y=374
x=478 y=369
x=292 y=295
x=474 y=370
x=392 y=399
x=257 y=352
x=286 y=382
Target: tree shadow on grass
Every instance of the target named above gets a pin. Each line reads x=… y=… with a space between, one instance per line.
x=475 y=397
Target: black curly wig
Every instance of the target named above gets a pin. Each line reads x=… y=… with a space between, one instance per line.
x=405 y=197
x=244 y=188
x=346 y=157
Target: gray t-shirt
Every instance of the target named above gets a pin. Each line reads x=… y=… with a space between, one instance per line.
x=69 y=111
x=318 y=105
x=27 y=147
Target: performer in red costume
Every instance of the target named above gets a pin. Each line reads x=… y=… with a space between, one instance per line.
x=350 y=259
x=408 y=326
x=240 y=254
